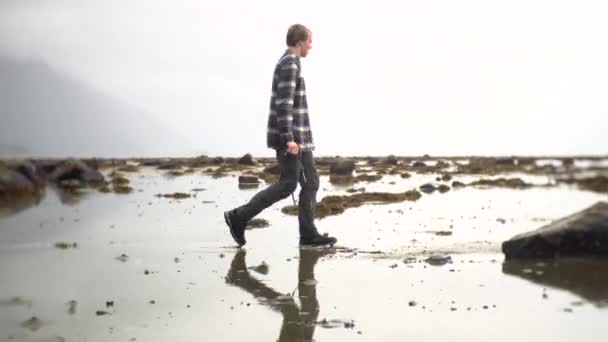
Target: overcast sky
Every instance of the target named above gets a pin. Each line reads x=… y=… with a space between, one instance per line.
x=441 y=77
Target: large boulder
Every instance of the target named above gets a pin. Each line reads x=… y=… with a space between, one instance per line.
x=247 y=160
x=73 y=169
x=19 y=188
x=13 y=183
x=582 y=234
x=342 y=167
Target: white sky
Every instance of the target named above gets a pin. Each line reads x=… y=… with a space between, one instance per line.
x=442 y=77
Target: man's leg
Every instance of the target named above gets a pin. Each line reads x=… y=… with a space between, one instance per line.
x=288 y=181
x=309 y=184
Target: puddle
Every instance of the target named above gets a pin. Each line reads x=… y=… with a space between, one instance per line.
x=170 y=269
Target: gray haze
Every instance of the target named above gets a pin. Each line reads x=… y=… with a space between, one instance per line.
x=440 y=77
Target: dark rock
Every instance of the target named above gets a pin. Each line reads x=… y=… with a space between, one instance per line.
x=457 y=184
x=568 y=161
x=419 y=164
x=247 y=160
x=218 y=160
x=175 y=195
x=334 y=205
x=391 y=160
x=248 y=179
x=66 y=245
x=438 y=259
x=170 y=165
x=442 y=188
x=504 y=161
x=368 y=178
x=406 y=175
x=32 y=324
x=13 y=183
x=581 y=234
x=516 y=183
x=341 y=180
x=427 y=188
x=30 y=171
x=342 y=167
x=446 y=177
x=596 y=184
x=73 y=169
x=525 y=161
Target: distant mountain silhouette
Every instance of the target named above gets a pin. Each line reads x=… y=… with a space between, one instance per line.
x=44 y=113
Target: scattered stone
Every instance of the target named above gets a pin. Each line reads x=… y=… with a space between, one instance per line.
x=123 y=257
x=438 y=259
x=101 y=313
x=443 y=233
x=428 y=188
x=406 y=175
x=412 y=303
x=175 y=195
x=442 y=188
x=66 y=245
x=501 y=220
x=109 y=304
x=32 y=324
x=72 y=305
x=457 y=184
x=16 y=301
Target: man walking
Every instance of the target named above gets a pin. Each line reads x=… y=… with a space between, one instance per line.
x=289 y=134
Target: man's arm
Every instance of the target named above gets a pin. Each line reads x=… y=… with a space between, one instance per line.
x=285 y=96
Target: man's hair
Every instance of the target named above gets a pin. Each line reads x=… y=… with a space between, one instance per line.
x=296 y=34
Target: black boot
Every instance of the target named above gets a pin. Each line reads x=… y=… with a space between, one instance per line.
x=237 y=227
x=317 y=240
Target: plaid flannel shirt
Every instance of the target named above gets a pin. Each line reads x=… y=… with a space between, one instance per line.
x=288 y=119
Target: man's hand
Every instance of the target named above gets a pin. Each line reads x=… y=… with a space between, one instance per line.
x=292 y=147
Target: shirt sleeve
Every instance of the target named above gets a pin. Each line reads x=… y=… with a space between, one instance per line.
x=285 y=97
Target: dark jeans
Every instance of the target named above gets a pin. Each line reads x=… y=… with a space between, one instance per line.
x=294 y=169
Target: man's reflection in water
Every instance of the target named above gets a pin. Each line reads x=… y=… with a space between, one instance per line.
x=298 y=322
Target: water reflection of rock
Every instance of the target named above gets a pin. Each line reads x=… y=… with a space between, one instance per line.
x=298 y=322
x=586 y=278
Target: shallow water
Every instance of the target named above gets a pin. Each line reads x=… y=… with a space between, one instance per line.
x=183 y=279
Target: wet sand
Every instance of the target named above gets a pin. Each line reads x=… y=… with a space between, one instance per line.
x=148 y=268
